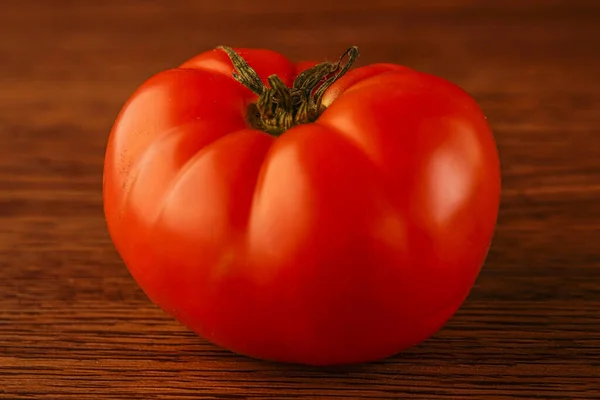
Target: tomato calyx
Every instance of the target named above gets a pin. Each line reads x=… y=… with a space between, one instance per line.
x=280 y=107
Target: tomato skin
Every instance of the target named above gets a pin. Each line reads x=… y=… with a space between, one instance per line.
x=342 y=241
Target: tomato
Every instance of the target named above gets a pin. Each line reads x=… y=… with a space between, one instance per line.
x=306 y=213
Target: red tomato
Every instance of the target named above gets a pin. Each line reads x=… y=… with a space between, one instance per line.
x=340 y=221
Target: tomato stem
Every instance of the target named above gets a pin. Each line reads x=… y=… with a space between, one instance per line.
x=280 y=107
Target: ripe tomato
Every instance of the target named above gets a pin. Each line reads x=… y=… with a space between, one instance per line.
x=305 y=213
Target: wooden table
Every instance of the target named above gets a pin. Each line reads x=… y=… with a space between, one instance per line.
x=73 y=323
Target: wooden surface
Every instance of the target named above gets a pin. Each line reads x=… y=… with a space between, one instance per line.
x=73 y=323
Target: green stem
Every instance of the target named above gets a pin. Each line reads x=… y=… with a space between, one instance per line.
x=280 y=107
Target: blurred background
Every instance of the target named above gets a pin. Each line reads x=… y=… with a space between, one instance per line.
x=68 y=307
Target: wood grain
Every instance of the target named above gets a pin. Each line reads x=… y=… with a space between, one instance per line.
x=74 y=325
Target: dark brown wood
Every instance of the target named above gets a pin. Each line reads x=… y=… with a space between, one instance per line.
x=73 y=323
